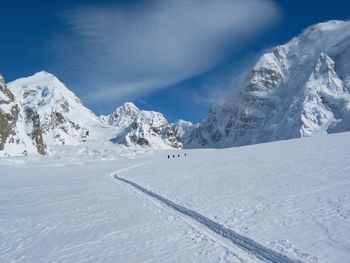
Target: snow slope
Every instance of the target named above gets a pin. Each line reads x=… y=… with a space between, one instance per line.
x=293 y=206
x=299 y=89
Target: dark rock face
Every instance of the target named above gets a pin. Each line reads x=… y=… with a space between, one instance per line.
x=59 y=117
x=7 y=119
x=33 y=119
x=170 y=134
x=5 y=128
x=139 y=140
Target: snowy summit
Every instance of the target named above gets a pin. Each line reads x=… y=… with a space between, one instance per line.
x=299 y=89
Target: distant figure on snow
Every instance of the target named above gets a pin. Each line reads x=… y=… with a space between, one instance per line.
x=174 y=156
x=178 y=155
x=168 y=156
x=185 y=154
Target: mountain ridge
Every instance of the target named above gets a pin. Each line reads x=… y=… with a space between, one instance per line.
x=299 y=89
x=39 y=112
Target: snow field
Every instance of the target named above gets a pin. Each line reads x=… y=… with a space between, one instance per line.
x=291 y=197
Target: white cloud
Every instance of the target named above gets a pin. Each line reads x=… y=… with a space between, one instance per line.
x=120 y=52
x=220 y=87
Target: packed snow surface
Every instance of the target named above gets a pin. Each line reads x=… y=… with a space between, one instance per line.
x=288 y=201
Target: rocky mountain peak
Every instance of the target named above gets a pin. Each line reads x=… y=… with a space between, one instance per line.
x=142 y=128
x=49 y=113
x=299 y=89
x=123 y=115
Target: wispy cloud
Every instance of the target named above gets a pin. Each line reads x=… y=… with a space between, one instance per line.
x=125 y=51
x=220 y=87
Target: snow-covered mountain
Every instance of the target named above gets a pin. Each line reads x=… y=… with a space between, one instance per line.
x=52 y=109
x=143 y=128
x=40 y=111
x=48 y=109
x=299 y=89
x=122 y=117
x=182 y=128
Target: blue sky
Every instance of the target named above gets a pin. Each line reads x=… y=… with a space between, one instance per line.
x=176 y=57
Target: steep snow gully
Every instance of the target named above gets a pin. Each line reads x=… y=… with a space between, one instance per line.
x=243 y=242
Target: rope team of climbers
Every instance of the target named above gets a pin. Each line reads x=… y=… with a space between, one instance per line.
x=178 y=155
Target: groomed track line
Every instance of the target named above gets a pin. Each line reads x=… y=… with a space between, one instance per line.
x=242 y=242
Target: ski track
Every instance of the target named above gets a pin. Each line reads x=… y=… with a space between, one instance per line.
x=193 y=218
